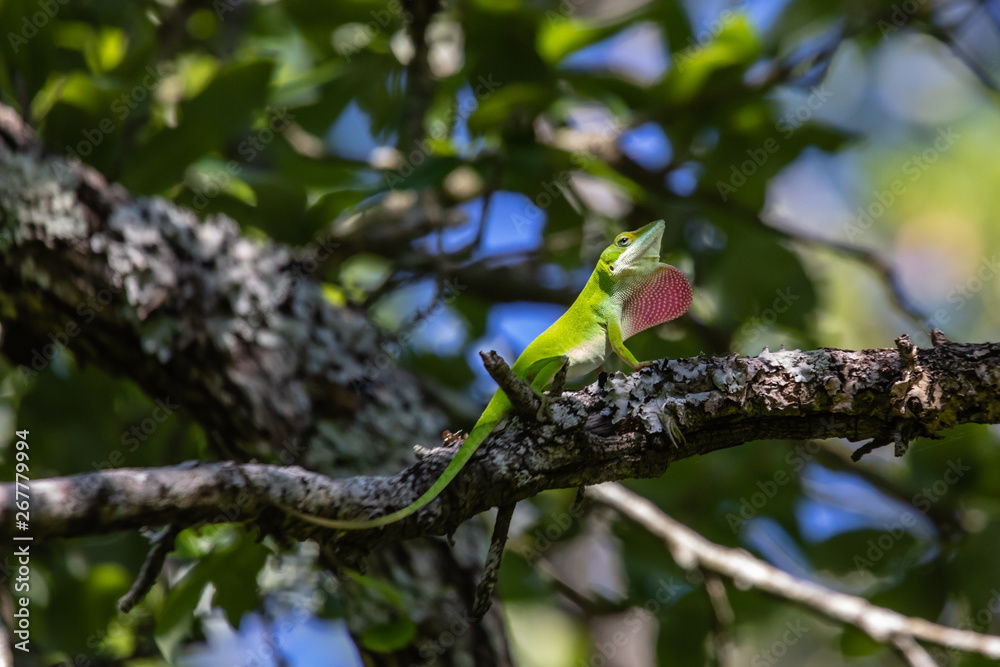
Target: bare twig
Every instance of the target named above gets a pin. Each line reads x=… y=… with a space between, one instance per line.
x=419 y=82
x=914 y=654
x=948 y=34
x=588 y=602
x=522 y=398
x=491 y=570
x=875 y=443
x=160 y=544
x=870 y=258
x=690 y=549
x=496 y=178
x=723 y=619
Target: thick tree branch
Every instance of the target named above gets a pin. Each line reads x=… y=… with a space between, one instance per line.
x=238 y=334
x=616 y=431
x=690 y=549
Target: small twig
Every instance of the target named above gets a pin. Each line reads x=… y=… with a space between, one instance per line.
x=589 y=604
x=938 y=338
x=947 y=34
x=723 y=619
x=869 y=258
x=488 y=582
x=691 y=550
x=907 y=350
x=945 y=516
x=420 y=83
x=914 y=654
x=871 y=446
x=496 y=178
x=559 y=379
x=160 y=545
x=522 y=398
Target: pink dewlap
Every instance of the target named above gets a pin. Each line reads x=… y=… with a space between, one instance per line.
x=664 y=297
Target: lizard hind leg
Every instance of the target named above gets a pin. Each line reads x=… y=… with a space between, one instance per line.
x=553 y=366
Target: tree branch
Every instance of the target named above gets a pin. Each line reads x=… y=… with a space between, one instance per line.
x=160 y=544
x=616 y=431
x=690 y=549
x=234 y=332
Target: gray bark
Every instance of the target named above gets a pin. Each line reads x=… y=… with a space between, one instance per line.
x=237 y=333
x=632 y=426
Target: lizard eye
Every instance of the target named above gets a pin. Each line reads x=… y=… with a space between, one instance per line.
x=623 y=242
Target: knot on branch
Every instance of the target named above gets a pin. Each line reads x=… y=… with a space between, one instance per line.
x=913 y=406
x=938 y=338
x=911 y=394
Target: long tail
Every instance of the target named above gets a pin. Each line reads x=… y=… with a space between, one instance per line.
x=489 y=419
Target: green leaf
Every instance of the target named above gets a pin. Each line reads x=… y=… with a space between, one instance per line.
x=695 y=65
x=217 y=114
x=512 y=100
x=176 y=620
x=389 y=636
x=232 y=566
x=557 y=39
x=235 y=579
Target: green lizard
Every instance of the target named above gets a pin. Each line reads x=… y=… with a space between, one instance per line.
x=629 y=291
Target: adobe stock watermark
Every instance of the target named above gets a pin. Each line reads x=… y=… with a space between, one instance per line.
x=121 y=107
x=913 y=168
x=354 y=37
x=432 y=650
x=215 y=182
x=87 y=311
x=978 y=621
x=787 y=124
x=598 y=143
x=305 y=265
x=565 y=9
x=393 y=347
x=697 y=43
x=132 y=438
x=901 y=14
x=960 y=295
x=757 y=325
x=796 y=459
x=894 y=531
x=30 y=25
x=271 y=647
x=399 y=166
x=534 y=208
x=667 y=591
x=794 y=631
x=545 y=537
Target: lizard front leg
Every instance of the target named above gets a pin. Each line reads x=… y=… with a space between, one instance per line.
x=618 y=345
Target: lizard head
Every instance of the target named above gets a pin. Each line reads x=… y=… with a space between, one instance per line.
x=637 y=251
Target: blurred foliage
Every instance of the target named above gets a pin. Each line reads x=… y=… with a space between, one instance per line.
x=744 y=126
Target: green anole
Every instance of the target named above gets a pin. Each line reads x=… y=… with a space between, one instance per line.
x=629 y=291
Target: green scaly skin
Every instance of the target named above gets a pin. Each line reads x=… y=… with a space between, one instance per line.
x=583 y=337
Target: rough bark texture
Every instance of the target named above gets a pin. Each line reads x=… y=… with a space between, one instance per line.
x=235 y=331
x=632 y=426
